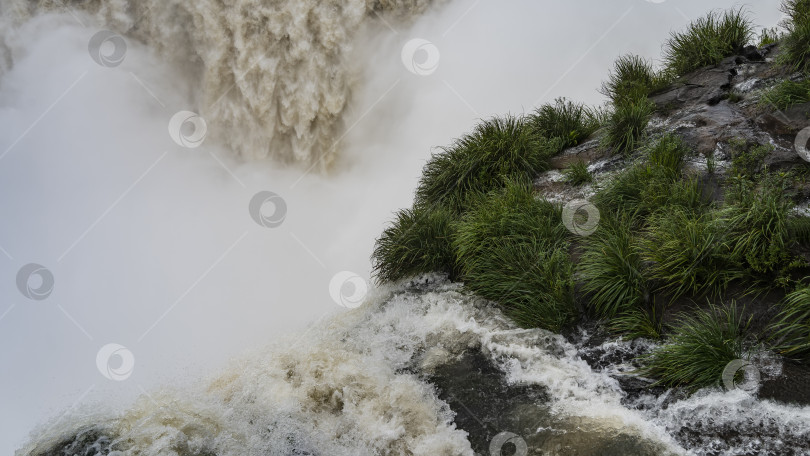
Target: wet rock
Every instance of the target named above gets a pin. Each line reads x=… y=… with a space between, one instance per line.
x=484 y=403
x=790 y=387
x=753 y=54
x=637 y=388
x=588 y=152
x=86 y=442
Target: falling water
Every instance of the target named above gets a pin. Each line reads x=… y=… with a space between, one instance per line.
x=274 y=77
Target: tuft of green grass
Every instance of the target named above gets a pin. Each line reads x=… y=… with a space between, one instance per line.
x=625 y=192
x=569 y=121
x=791 y=330
x=577 y=173
x=643 y=190
x=418 y=241
x=756 y=226
x=700 y=348
x=647 y=187
x=512 y=213
x=639 y=323
x=707 y=41
x=667 y=154
x=787 y=93
x=530 y=279
x=632 y=78
x=611 y=269
x=499 y=149
x=512 y=249
x=688 y=253
x=799 y=230
x=711 y=163
x=795 y=51
x=627 y=125
x=746 y=158
x=768 y=36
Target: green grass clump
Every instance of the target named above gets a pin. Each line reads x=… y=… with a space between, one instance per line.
x=707 y=41
x=791 y=330
x=652 y=185
x=577 y=173
x=627 y=124
x=667 y=154
x=643 y=190
x=611 y=269
x=566 y=120
x=768 y=36
x=632 y=78
x=756 y=225
x=639 y=323
x=688 y=253
x=511 y=213
x=746 y=158
x=530 y=279
x=799 y=230
x=418 y=241
x=512 y=249
x=787 y=93
x=701 y=347
x=498 y=149
x=795 y=50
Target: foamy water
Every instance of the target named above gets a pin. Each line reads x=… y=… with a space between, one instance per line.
x=357 y=387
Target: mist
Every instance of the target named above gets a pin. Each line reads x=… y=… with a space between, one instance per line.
x=152 y=245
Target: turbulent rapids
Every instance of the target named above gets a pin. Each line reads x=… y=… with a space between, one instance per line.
x=275 y=78
x=392 y=377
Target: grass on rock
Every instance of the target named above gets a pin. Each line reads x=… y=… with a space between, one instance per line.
x=639 y=323
x=787 y=93
x=652 y=185
x=565 y=120
x=795 y=51
x=708 y=40
x=627 y=124
x=791 y=330
x=756 y=226
x=512 y=249
x=702 y=344
x=418 y=241
x=689 y=254
x=577 y=173
x=747 y=159
x=498 y=149
x=631 y=79
x=611 y=269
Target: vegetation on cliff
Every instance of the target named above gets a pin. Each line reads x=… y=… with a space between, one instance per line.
x=680 y=230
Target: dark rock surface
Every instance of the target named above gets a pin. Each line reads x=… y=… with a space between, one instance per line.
x=86 y=442
x=478 y=393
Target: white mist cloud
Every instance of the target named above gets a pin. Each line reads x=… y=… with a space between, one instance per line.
x=151 y=245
